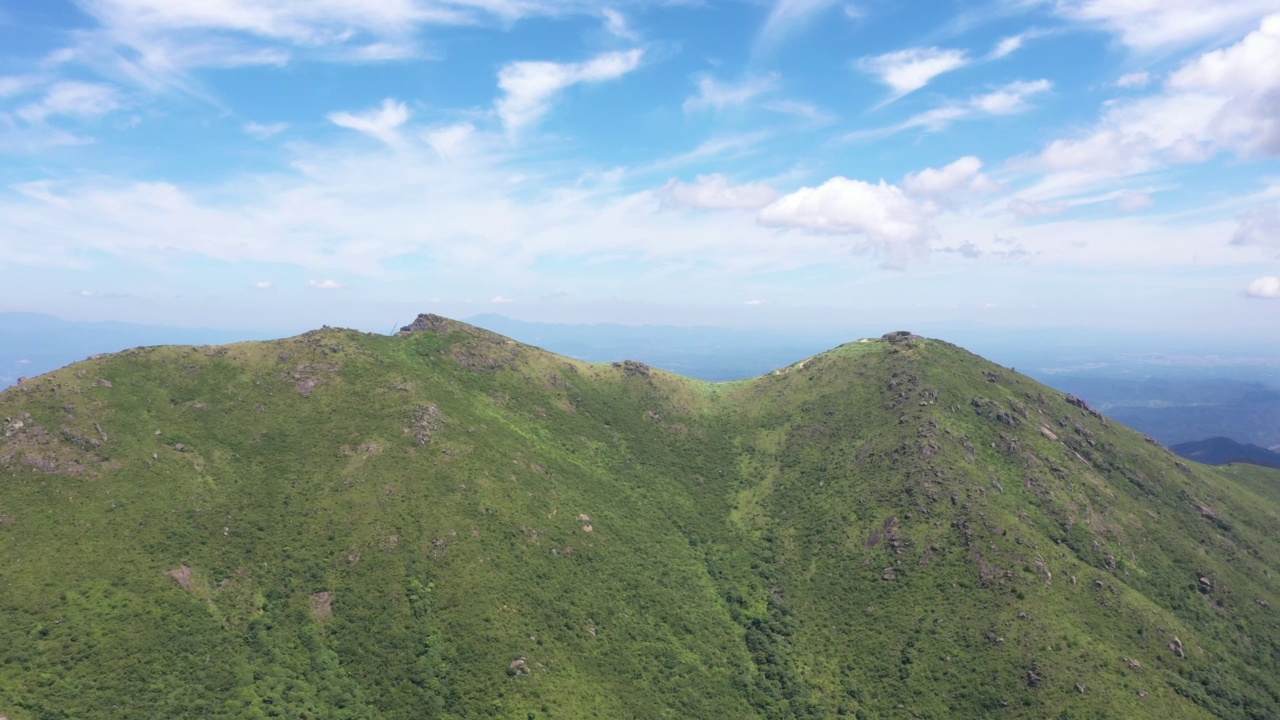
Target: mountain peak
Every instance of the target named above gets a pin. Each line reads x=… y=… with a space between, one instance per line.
x=430 y=322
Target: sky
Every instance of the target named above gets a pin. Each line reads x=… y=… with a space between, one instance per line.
x=291 y=163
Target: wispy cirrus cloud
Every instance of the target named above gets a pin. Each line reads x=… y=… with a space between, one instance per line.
x=158 y=43
x=531 y=87
x=382 y=123
x=788 y=17
x=906 y=71
x=1153 y=26
x=72 y=98
x=715 y=94
x=1006 y=100
x=265 y=131
x=716 y=192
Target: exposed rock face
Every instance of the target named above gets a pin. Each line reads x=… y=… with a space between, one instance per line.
x=430 y=322
x=900 y=337
x=633 y=367
x=321 y=604
x=182 y=575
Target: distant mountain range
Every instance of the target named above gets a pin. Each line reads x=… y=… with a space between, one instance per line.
x=33 y=344
x=1220 y=451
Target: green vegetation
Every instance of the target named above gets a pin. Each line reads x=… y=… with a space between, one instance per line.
x=448 y=524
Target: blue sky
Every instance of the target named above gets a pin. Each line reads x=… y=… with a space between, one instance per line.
x=288 y=163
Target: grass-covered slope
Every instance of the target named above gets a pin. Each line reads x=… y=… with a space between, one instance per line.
x=449 y=524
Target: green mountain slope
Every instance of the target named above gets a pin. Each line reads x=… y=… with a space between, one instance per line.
x=450 y=524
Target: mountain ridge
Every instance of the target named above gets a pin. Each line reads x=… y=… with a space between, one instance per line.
x=1222 y=450
x=448 y=523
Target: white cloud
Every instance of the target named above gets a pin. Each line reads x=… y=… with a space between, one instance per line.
x=1010 y=99
x=382 y=123
x=267 y=131
x=1227 y=100
x=1032 y=210
x=754 y=303
x=888 y=220
x=1264 y=287
x=263 y=285
x=716 y=95
x=1138 y=79
x=799 y=109
x=906 y=71
x=499 y=300
x=1260 y=228
x=157 y=43
x=715 y=192
x=616 y=24
x=960 y=178
x=789 y=17
x=1151 y=25
x=11 y=85
x=451 y=141
x=714 y=147
x=325 y=285
x=530 y=87
x=1133 y=201
x=73 y=98
x=1008 y=46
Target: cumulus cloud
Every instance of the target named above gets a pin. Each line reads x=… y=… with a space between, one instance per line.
x=883 y=215
x=716 y=95
x=1226 y=100
x=530 y=87
x=960 y=178
x=325 y=285
x=263 y=285
x=754 y=303
x=1264 y=287
x=716 y=192
x=499 y=300
x=906 y=71
x=382 y=123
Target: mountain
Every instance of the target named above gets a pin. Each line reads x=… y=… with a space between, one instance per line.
x=1186 y=406
x=1220 y=451
x=1160 y=385
x=450 y=524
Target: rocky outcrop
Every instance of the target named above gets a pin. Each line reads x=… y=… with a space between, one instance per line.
x=430 y=322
